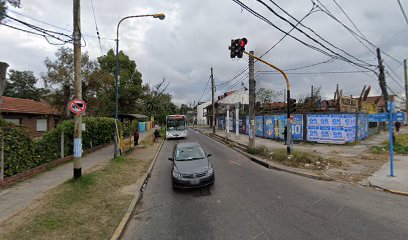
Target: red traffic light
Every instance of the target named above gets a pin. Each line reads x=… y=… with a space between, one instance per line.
x=243 y=42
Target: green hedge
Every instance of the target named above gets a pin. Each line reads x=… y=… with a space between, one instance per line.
x=22 y=153
x=19 y=149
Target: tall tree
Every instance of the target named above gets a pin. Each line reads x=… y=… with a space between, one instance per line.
x=3 y=7
x=265 y=96
x=21 y=84
x=60 y=77
x=130 y=80
x=157 y=102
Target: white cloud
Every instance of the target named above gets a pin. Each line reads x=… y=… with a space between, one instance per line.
x=195 y=35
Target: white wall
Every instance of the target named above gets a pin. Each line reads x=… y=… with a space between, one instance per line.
x=201 y=119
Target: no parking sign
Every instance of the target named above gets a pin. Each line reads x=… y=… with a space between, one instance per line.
x=77 y=106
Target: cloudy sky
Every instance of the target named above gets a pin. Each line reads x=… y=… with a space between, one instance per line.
x=195 y=35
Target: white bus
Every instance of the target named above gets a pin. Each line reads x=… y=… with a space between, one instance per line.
x=176 y=126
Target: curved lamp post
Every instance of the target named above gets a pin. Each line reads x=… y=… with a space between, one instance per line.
x=160 y=16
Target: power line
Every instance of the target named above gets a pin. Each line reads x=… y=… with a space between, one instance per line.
x=312 y=73
x=311 y=30
x=57 y=27
x=96 y=27
x=325 y=10
x=209 y=79
x=245 y=67
x=336 y=55
x=40 y=32
x=403 y=11
x=364 y=37
x=392 y=78
x=286 y=34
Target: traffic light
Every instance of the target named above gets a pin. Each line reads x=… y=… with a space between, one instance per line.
x=237 y=47
x=233 y=48
x=292 y=105
x=241 y=46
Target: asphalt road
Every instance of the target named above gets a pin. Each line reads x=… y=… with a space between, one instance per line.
x=249 y=201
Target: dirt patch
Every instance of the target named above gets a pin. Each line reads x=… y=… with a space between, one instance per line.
x=90 y=208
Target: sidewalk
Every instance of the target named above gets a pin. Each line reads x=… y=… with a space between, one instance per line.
x=360 y=163
x=399 y=183
x=16 y=198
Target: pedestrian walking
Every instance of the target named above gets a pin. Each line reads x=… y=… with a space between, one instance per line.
x=136 y=137
x=285 y=135
x=156 y=135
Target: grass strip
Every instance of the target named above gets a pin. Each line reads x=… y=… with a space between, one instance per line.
x=89 y=208
x=298 y=159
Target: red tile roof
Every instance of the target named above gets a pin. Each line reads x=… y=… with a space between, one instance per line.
x=20 y=105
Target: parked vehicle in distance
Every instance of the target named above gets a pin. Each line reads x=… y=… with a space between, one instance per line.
x=176 y=126
x=191 y=167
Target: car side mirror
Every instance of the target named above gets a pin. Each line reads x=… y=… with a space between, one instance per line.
x=171 y=159
x=209 y=155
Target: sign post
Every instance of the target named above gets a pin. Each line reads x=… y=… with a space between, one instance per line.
x=391 y=134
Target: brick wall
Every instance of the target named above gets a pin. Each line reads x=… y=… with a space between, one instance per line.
x=30 y=121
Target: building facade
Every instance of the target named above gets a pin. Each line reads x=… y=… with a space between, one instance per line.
x=38 y=117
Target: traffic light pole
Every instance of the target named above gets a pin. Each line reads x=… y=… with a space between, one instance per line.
x=289 y=134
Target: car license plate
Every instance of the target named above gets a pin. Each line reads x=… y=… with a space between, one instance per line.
x=195 y=181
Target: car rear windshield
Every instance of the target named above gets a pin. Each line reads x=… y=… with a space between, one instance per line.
x=189 y=153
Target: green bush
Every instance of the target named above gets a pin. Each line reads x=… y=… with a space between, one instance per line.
x=19 y=151
x=23 y=153
x=98 y=131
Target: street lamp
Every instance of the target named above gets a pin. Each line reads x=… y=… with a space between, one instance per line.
x=160 y=16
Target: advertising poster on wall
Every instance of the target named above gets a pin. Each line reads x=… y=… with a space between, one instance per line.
x=268 y=129
x=259 y=126
x=362 y=127
x=297 y=128
x=331 y=128
x=221 y=122
x=247 y=125
x=231 y=124
x=279 y=126
x=275 y=125
x=242 y=124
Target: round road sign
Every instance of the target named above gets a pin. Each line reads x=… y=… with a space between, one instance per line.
x=77 y=106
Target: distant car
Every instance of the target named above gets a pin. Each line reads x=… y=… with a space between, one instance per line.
x=191 y=167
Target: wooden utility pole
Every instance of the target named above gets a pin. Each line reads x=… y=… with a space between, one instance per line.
x=406 y=84
x=213 y=103
x=252 y=97
x=3 y=71
x=78 y=90
x=381 y=78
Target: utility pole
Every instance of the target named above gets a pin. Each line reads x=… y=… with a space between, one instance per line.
x=213 y=103
x=406 y=84
x=78 y=90
x=252 y=98
x=284 y=95
x=381 y=78
x=312 y=99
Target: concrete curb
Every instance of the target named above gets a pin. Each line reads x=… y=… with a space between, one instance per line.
x=389 y=190
x=266 y=163
x=123 y=223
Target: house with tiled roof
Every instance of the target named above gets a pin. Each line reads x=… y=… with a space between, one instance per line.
x=38 y=117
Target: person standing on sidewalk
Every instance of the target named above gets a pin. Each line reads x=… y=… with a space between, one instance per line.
x=285 y=135
x=136 y=137
x=156 y=135
x=397 y=126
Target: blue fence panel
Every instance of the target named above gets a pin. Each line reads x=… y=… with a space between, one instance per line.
x=268 y=127
x=247 y=124
x=221 y=120
x=297 y=128
x=259 y=126
x=333 y=128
